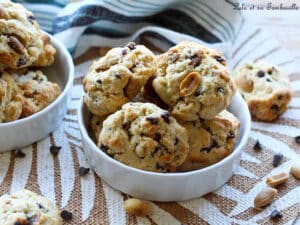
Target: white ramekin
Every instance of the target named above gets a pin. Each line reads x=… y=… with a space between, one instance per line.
x=165 y=186
x=28 y=130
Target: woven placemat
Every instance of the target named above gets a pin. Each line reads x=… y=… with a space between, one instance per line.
x=93 y=202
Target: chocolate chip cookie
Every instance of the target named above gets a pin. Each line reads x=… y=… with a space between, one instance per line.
x=144 y=136
x=10 y=99
x=20 y=36
x=265 y=88
x=37 y=91
x=117 y=78
x=194 y=81
x=26 y=207
x=210 y=140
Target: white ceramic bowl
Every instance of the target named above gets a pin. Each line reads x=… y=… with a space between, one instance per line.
x=165 y=186
x=28 y=130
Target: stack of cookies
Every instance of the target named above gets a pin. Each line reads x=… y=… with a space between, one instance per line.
x=162 y=113
x=24 y=89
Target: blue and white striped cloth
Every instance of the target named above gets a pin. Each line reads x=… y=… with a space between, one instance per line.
x=112 y=22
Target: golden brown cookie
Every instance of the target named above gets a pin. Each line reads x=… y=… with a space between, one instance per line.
x=26 y=207
x=117 y=78
x=10 y=99
x=47 y=56
x=194 y=81
x=144 y=136
x=265 y=88
x=20 y=36
x=210 y=140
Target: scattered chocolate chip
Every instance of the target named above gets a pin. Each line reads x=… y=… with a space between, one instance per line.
x=152 y=120
x=275 y=214
x=126 y=125
x=40 y=206
x=32 y=220
x=124 y=51
x=208 y=149
x=104 y=148
x=220 y=90
x=176 y=141
x=257 y=146
x=166 y=117
x=198 y=93
x=220 y=59
x=157 y=137
x=99 y=81
x=19 y=153
x=131 y=45
x=31 y=18
x=16 y=44
x=117 y=76
x=66 y=215
x=174 y=57
x=231 y=134
x=82 y=171
x=275 y=108
x=269 y=80
x=195 y=60
x=297 y=139
x=277 y=159
x=54 y=150
x=260 y=73
x=21 y=62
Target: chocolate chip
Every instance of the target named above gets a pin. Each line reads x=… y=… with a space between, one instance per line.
x=16 y=44
x=160 y=166
x=174 y=57
x=195 y=60
x=21 y=62
x=131 y=45
x=32 y=220
x=104 y=148
x=157 y=137
x=66 y=215
x=213 y=145
x=99 y=81
x=40 y=206
x=31 y=18
x=275 y=108
x=280 y=97
x=220 y=90
x=166 y=117
x=297 y=139
x=126 y=125
x=231 y=134
x=269 y=80
x=260 y=73
x=19 y=153
x=220 y=59
x=277 y=159
x=54 y=150
x=124 y=51
x=117 y=76
x=82 y=171
x=152 y=120
x=275 y=214
x=156 y=149
x=176 y=141
x=257 y=146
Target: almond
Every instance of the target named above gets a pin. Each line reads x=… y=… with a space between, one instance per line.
x=277 y=179
x=244 y=83
x=189 y=84
x=265 y=197
x=15 y=44
x=295 y=171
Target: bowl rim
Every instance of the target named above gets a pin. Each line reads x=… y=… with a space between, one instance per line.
x=66 y=87
x=235 y=152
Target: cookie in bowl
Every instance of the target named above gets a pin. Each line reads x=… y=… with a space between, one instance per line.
x=210 y=140
x=21 y=40
x=26 y=207
x=144 y=136
x=194 y=81
x=95 y=124
x=10 y=99
x=117 y=78
x=37 y=91
x=265 y=88
x=47 y=56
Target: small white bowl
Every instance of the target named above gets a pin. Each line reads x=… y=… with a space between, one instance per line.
x=165 y=186
x=28 y=130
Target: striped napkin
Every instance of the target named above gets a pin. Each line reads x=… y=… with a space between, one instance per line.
x=88 y=28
